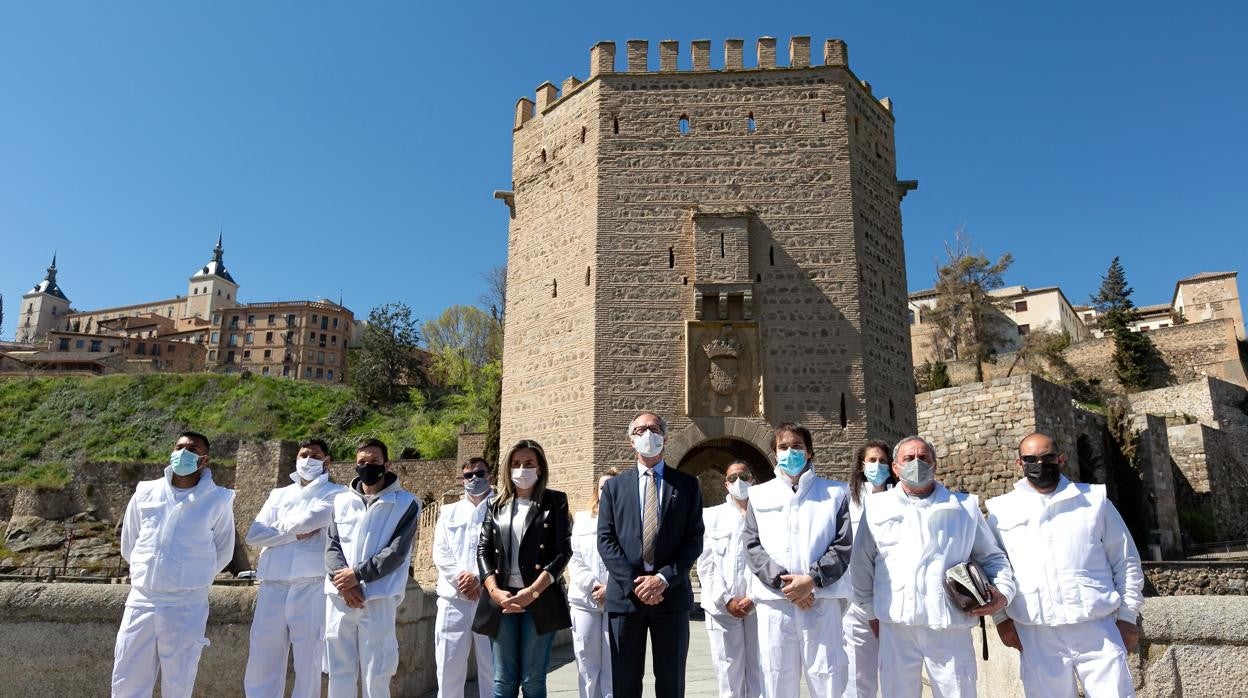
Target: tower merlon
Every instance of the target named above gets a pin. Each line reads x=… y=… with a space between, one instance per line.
x=701 y=54
x=547 y=93
x=602 y=58
x=669 y=51
x=835 y=53
x=799 y=52
x=766 y=52
x=569 y=83
x=638 y=55
x=733 y=54
x=887 y=103
x=524 y=111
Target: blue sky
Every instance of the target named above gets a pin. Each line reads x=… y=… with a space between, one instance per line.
x=355 y=146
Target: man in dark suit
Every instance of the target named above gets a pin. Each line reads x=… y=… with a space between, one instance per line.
x=649 y=535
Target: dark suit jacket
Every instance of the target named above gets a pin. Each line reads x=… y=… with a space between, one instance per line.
x=545 y=546
x=676 y=550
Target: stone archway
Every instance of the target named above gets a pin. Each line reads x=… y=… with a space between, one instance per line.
x=709 y=445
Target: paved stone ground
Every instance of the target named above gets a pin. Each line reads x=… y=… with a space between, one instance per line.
x=699 y=673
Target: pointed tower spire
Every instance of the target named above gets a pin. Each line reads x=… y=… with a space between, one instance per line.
x=48 y=285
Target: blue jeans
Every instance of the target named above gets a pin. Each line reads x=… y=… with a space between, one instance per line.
x=521 y=657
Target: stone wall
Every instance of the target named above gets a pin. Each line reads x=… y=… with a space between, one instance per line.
x=1193 y=646
x=1190 y=351
x=1213 y=477
x=1196 y=577
x=976 y=430
x=43 y=624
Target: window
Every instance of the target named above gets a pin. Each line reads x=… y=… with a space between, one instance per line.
x=333 y=340
x=229 y=357
x=272 y=320
x=750 y=125
x=268 y=354
x=684 y=123
x=172 y=348
x=264 y=371
x=313 y=318
x=64 y=345
x=140 y=349
x=911 y=313
x=268 y=337
x=78 y=344
x=1162 y=324
x=95 y=345
x=234 y=322
x=307 y=372
x=311 y=336
x=324 y=322
x=233 y=341
x=290 y=320
x=329 y=375
x=1020 y=306
x=251 y=319
x=1023 y=329
x=216 y=337
x=212 y=355
x=247 y=338
x=320 y=357
x=333 y=358
x=320 y=373
x=216 y=318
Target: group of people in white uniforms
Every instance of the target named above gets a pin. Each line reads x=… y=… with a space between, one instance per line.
x=587 y=588
x=333 y=569
x=1065 y=577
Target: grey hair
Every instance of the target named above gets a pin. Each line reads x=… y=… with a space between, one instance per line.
x=930 y=448
x=662 y=422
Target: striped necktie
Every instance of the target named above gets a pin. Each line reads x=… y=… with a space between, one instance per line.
x=650 y=519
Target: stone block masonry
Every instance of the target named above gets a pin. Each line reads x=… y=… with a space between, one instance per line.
x=645 y=201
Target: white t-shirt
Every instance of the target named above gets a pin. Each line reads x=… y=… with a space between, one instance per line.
x=519 y=515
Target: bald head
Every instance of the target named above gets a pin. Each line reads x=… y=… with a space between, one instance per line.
x=1036 y=444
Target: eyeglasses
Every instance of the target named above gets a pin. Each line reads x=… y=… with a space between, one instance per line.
x=476 y=473
x=648 y=427
x=740 y=476
x=1042 y=458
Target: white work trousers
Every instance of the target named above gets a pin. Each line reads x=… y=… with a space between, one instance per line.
x=862 y=648
x=452 y=640
x=734 y=652
x=793 y=642
x=1053 y=655
x=288 y=616
x=948 y=655
x=591 y=644
x=169 y=639
x=361 y=641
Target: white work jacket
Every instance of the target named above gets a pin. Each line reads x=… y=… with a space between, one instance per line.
x=1073 y=558
x=722 y=569
x=455 y=539
x=360 y=532
x=797 y=530
x=585 y=568
x=906 y=544
x=291 y=511
x=178 y=547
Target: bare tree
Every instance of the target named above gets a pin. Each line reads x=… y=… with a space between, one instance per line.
x=969 y=324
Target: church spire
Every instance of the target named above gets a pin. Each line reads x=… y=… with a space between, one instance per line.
x=48 y=285
x=216 y=266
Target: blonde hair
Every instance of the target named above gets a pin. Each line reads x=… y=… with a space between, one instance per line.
x=593 y=499
x=507 y=489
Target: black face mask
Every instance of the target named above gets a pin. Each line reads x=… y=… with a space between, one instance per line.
x=370 y=473
x=1042 y=475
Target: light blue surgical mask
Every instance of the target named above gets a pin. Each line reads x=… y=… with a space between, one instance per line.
x=876 y=473
x=184 y=462
x=792 y=461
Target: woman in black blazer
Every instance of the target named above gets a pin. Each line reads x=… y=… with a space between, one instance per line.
x=526 y=541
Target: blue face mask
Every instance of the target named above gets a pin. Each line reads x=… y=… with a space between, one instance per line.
x=876 y=473
x=184 y=462
x=792 y=461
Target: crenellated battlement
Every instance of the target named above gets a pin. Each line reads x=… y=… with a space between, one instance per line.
x=602 y=62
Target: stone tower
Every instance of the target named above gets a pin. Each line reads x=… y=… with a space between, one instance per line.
x=42 y=308
x=211 y=288
x=721 y=246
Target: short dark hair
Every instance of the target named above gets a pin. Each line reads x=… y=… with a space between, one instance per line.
x=794 y=428
x=475 y=461
x=377 y=444
x=196 y=435
x=319 y=443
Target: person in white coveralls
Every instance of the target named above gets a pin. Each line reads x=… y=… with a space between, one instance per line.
x=367 y=558
x=290 y=605
x=872 y=472
x=591 y=638
x=1079 y=579
x=455 y=538
x=731 y=623
x=177 y=534
x=798 y=543
x=909 y=537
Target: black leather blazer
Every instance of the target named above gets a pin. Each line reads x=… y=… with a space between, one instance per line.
x=545 y=546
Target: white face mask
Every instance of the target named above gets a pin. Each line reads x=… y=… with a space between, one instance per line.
x=739 y=489
x=309 y=468
x=648 y=445
x=524 y=478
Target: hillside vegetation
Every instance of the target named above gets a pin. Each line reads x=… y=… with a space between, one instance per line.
x=48 y=425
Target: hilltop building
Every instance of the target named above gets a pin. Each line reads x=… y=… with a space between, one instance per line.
x=720 y=245
x=307 y=340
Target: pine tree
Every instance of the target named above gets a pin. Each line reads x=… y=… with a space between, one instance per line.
x=1115 y=314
